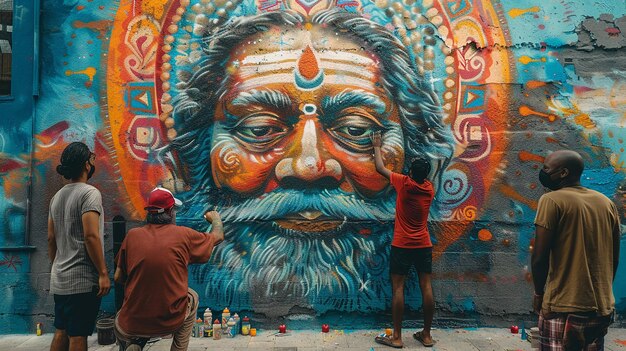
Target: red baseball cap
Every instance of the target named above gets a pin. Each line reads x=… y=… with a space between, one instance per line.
x=161 y=199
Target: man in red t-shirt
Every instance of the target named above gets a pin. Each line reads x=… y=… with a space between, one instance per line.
x=411 y=244
x=152 y=263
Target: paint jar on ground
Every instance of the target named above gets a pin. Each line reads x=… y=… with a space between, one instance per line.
x=106 y=335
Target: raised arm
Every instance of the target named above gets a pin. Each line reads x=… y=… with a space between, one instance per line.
x=378 y=157
x=217 y=228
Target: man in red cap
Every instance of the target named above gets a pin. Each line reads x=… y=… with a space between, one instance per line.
x=152 y=262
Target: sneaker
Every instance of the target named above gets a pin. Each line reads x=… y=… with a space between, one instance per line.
x=133 y=347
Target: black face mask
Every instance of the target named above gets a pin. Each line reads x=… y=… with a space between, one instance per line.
x=546 y=180
x=93 y=169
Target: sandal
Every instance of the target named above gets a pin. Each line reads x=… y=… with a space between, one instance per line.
x=383 y=339
x=419 y=336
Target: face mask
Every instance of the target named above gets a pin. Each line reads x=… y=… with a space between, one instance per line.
x=93 y=169
x=546 y=180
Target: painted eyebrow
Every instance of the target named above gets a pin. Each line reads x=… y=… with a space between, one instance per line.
x=351 y=98
x=267 y=97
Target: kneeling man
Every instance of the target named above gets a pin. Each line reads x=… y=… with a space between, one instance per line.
x=152 y=263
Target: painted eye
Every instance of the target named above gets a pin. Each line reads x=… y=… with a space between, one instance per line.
x=354 y=131
x=260 y=132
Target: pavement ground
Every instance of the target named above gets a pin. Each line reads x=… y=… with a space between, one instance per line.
x=463 y=339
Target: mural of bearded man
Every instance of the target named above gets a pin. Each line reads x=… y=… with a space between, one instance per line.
x=273 y=131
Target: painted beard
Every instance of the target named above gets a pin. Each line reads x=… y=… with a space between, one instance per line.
x=263 y=260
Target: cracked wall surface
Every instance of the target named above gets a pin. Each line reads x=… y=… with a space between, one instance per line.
x=263 y=110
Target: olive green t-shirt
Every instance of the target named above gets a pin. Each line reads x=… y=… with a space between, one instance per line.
x=580 y=278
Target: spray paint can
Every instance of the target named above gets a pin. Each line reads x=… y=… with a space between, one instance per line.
x=199 y=328
x=237 y=323
x=208 y=316
x=39 y=329
x=208 y=320
x=231 y=329
x=245 y=326
x=225 y=317
x=217 y=329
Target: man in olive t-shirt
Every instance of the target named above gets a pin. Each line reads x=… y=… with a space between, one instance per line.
x=575 y=258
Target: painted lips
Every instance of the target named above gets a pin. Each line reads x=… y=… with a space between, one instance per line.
x=311 y=222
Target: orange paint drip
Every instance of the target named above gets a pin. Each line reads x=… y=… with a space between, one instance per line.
x=518 y=12
x=484 y=235
x=307 y=65
x=526 y=156
x=534 y=84
x=90 y=72
x=620 y=342
x=527 y=111
x=83 y=106
x=584 y=121
x=551 y=140
x=514 y=195
x=101 y=26
x=527 y=59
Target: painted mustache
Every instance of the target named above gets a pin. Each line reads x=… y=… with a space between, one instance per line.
x=323 y=205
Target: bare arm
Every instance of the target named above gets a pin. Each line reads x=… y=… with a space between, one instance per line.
x=616 y=243
x=378 y=157
x=217 y=228
x=541 y=262
x=119 y=276
x=93 y=244
x=52 y=241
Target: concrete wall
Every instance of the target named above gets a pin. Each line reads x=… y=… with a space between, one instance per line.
x=264 y=115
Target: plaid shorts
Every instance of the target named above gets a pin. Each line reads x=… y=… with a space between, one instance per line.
x=565 y=332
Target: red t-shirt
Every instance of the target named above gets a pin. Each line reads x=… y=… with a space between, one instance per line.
x=154 y=259
x=412 y=206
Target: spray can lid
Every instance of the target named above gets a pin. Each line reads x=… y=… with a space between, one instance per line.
x=217 y=322
x=246 y=319
x=226 y=310
x=207 y=310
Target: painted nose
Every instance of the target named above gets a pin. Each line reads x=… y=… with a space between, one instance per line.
x=309 y=165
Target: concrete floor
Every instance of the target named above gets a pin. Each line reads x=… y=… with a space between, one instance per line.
x=469 y=339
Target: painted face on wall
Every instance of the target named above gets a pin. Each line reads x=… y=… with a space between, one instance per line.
x=273 y=127
x=297 y=115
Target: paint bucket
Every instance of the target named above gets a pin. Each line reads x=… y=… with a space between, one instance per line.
x=106 y=335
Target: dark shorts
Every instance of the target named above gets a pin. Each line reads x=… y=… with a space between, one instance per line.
x=76 y=313
x=401 y=260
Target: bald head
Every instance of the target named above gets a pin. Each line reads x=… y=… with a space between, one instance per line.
x=566 y=159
